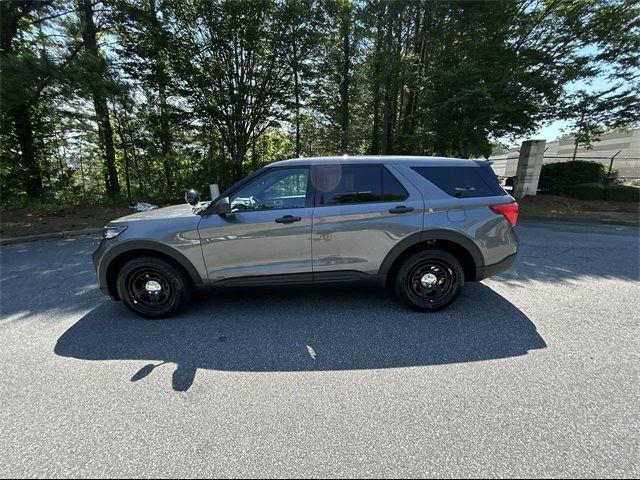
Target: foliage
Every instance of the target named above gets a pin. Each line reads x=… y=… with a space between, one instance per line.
x=622 y=193
x=561 y=178
x=614 y=193
x=588 y=191
x=141 y=99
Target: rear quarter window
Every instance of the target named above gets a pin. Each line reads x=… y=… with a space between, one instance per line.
x=463 y=182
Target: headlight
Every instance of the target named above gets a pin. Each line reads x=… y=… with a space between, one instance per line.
x=112 y=232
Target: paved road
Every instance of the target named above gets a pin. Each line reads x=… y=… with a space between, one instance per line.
x=535 y=373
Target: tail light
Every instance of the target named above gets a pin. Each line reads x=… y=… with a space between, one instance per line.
x=509 y=210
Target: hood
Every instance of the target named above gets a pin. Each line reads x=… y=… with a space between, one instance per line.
x=174 y=211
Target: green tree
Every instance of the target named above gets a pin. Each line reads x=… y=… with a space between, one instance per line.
x=231 y=62
x=96 y=77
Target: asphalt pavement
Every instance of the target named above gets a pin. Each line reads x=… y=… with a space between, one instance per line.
x=535 y=373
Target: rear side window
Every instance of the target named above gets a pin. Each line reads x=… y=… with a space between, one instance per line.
x=463 y=182
x=392 y=189
x=343 y=184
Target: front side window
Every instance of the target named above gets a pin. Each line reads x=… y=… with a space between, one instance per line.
x=275 y=190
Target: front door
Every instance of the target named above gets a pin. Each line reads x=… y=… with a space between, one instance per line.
x=268 y=232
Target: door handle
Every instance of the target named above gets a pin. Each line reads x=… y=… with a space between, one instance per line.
x=288 y=219
x=401 y=209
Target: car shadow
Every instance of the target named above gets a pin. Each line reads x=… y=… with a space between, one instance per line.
x=304 y=330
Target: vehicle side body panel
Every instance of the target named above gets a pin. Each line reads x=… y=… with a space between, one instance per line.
x=329 y=243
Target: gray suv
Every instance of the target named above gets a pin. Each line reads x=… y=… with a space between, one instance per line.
x=419 y=225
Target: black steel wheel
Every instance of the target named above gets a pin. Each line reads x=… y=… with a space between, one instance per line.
x=153 y=287
x=429 y=280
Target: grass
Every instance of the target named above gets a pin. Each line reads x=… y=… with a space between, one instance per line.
x=39 y=218
x=555 y=206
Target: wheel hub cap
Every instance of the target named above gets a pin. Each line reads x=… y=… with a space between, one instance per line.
x=152 y=286
x=428 y=280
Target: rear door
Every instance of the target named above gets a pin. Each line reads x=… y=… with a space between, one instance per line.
x=362 y=212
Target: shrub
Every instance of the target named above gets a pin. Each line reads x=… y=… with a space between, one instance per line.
x=588 y=191
x=622 y=193
x=46 y=209
x=562 y=177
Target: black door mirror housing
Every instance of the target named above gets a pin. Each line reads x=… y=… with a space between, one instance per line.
x=192 y=197
x=222 y=206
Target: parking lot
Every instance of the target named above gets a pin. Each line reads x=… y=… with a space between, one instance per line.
x=532 y=373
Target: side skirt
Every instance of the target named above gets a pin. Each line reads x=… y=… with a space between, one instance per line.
x=320 y=278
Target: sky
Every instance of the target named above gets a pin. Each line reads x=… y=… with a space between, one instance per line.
x=552 y=130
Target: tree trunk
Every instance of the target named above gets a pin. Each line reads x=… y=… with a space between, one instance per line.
x=165 y=137
x=296 y=94
x=296 y=86
x=238 y=149
x=419 y=52
x=387 y=119
x=20 y=115
x=136 y=164
x=374 y=149
x=254 y=155
x=160 y=73
x=125 y=153
x=97 y=68
x=344 y=83
x=24 y=132
x=577 y=138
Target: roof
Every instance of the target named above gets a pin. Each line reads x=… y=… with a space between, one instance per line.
x=381 y=159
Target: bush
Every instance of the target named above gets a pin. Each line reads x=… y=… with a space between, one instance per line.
x=39 y=207
x=588 y=191
x=563 y=177
x=622 y=193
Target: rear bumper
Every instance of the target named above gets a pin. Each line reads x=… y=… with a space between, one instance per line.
x=490 y=270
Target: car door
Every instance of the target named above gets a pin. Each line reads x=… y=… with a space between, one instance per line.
x=362 y=212
x=268 y=232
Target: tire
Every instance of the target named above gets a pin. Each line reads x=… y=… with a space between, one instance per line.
x=429 y=293
x=153 y=287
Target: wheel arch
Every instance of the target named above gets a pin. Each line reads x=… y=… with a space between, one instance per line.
x=461 y=246
x=119 y=255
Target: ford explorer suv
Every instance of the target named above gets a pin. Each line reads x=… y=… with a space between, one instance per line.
x=421 y=226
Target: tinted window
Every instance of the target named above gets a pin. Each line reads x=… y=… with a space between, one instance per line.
x=277 y=189
x=463 y=182
x=392 y=188
x=347 y=184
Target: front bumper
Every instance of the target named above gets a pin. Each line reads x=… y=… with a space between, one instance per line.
x=493 y=269
x=96 y=257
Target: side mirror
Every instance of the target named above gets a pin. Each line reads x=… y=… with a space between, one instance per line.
x=222 y=206
x=192 y=197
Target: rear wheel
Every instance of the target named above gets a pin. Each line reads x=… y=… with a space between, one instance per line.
x=153 y=287
x=429 y=280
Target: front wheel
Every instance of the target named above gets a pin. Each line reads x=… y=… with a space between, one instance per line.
x=429 y=280
x=153 y=287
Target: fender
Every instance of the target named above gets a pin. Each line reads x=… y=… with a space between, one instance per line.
x=129 y=245
x=431 y=234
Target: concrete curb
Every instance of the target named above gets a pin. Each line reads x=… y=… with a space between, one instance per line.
x=584 y=220
x=49 y=236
